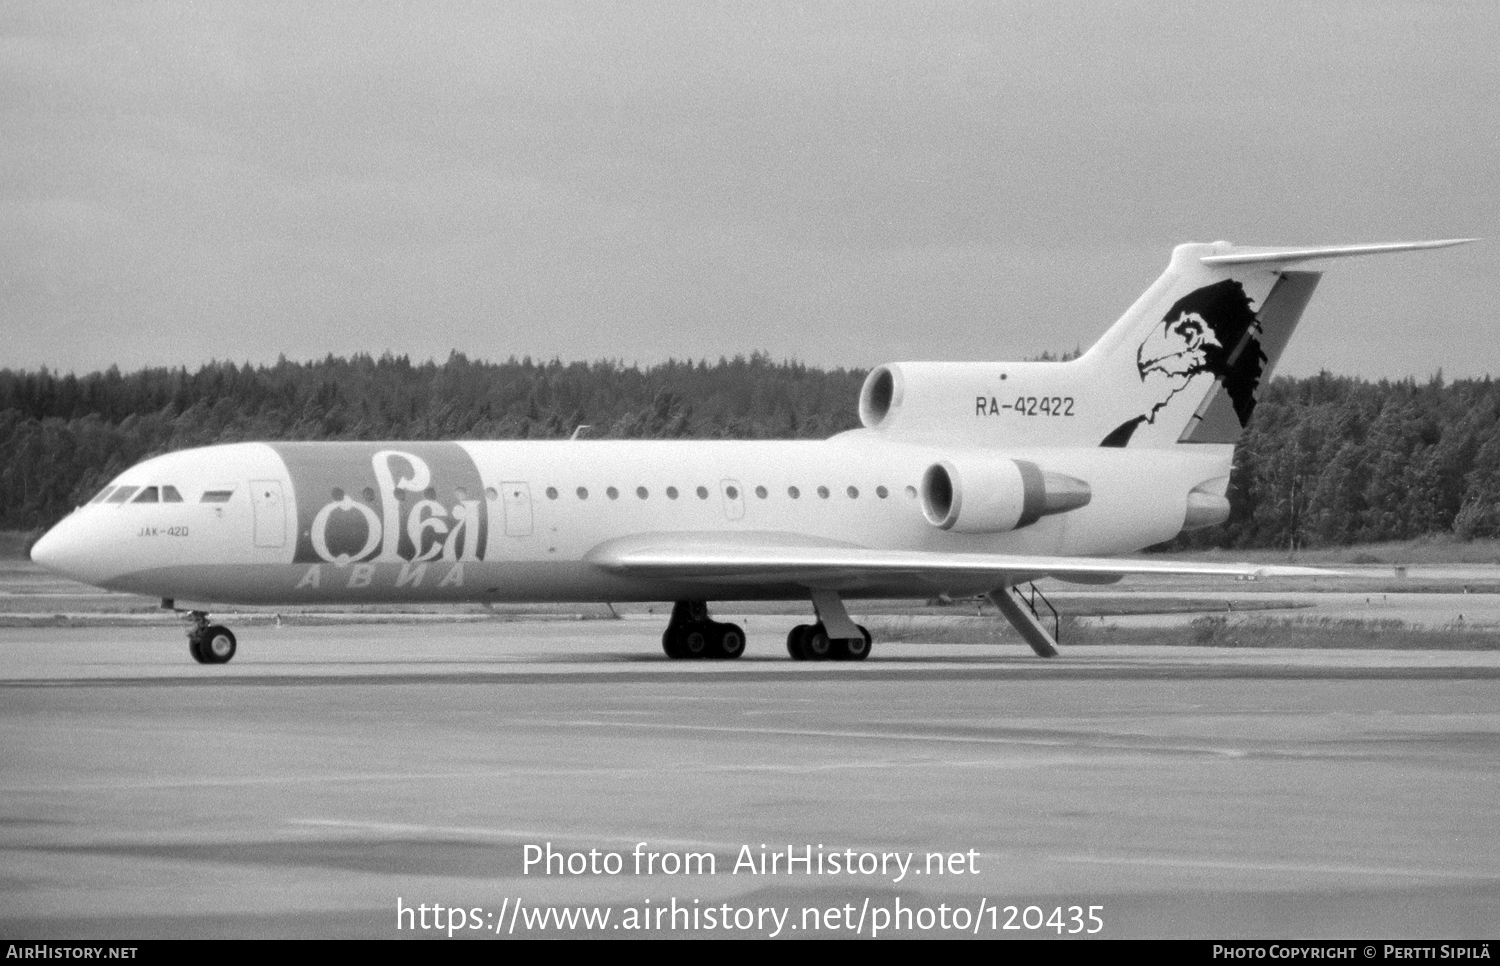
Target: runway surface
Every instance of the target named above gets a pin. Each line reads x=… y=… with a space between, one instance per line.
x=1453 y=609
x=332 y=775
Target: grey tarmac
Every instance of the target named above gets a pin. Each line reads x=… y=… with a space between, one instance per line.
x=330 y=771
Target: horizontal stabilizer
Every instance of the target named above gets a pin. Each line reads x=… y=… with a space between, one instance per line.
x=1290 y=256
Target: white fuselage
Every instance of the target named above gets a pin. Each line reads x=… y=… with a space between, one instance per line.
x=294 y=523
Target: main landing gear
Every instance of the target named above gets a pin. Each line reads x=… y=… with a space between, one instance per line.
x=693 y=634
x=833 y=638
x=209 y=643
x=810 y=642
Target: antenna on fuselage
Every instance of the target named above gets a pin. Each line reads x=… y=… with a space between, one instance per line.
x=580 y=432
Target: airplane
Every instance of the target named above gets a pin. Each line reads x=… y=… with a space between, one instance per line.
x=966 y=479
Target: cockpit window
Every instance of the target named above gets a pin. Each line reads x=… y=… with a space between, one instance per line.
x=217 y=496
x=169 y=494
x=122 y=494
x=102 y=494
x=148 y=494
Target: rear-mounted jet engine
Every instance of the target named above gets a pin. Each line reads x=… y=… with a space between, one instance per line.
x=995 y=495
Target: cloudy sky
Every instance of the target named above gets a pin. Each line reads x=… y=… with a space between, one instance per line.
x=842 y=183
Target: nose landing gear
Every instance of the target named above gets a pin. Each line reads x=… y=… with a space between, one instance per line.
x=210 y=643
x=691 y=633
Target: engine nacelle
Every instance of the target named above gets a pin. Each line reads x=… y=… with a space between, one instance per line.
x=1207 y=504
x=995 y=495
x=881 y=396
x=918 y=398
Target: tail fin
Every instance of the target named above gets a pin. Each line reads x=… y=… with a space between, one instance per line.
x=1184 y=364
x=1190 y=356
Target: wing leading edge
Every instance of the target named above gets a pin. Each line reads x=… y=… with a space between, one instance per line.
x=781 y=559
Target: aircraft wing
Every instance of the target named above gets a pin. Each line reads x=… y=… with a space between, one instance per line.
x=780 y=559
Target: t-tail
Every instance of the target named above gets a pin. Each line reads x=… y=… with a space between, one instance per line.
x=1184 y=364
x=1188 y=359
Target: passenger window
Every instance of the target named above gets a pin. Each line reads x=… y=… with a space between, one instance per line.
x=148 y=495
x=853 y=492
x=793 y=492
x=641 y=492
x=612 y=493
x=760 y=491
x=823 y=492
x=882 y=492
x=217 y=496
x=583 y=493
x=122 y=494
x=911 y=493
x=551 y=492
x=671 y=492
x=702 y=492
x=99 y=498
x=169 y=494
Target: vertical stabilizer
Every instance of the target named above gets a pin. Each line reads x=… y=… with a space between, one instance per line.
x=1187 y=361
x=1184 y=364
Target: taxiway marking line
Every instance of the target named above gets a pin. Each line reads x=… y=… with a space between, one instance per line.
x=1080 y=741
x=269 y=780
x=530 y=835
x=1218 y=864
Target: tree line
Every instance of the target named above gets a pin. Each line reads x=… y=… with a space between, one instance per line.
x=1328 y=459
x=1333 y=460
x=62 y=437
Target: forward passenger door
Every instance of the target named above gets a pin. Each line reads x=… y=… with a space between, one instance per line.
x=517 y=499
x=270 y=513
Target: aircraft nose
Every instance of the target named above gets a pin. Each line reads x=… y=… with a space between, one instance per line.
x=64 y=551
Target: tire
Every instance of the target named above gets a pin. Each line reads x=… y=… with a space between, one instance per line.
x=672 y=644
x=695 y=641
x=818 y=645
x=796 y=642
x=194 y=650
x=853 y=649
x=217 y=645
x=731 y=641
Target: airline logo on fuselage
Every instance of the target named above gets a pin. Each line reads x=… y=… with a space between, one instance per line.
x=405 y=503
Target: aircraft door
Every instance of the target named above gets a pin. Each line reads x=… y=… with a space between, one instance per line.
x=734 y=499
x=270 y=513
x=517 y=498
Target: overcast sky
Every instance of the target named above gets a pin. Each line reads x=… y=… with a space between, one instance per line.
x=841 y=183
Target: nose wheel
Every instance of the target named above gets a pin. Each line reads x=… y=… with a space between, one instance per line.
x=210 y=643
